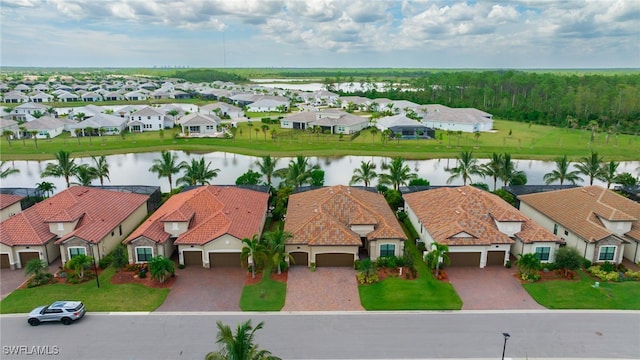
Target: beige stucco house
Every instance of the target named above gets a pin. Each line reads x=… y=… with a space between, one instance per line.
x=9 y=205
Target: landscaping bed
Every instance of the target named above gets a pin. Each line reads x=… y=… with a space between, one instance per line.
x=131 y=277
x=282 y=278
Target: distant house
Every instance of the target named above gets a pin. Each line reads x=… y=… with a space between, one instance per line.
x=358 y=101
x=30 y=108
x=223 y=110
x=466 y=119
x=113 y=96
x=601 y=224
x=332 y=121
x=39 y=97
x=48 y=127
x=111 y=124
x=9 y=206
x=199 y=125
x=323 y=97
x=148 y=119
x=135 y=96
x=91 y=97
x=407 y=128
x=479 y=228
x=66 y=96
x=15 y=97
x=332 y=226
x=206 y=224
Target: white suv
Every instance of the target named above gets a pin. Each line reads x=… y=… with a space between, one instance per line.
x=63 y=311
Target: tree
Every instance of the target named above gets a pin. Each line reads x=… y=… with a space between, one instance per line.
x=399 y=173
x=79 y=116
x=253 y=251
x=197 y=172
x=89 y=130
x=626 y=179
x=85 y=175
x=46 y=188
x=239 y=346
x=374 y=132
x=160 y=267
x=8 y=134
x=35 y=267
x=438 y=255
x=317 y=178
x=249 y=178
x=467 y=166
x=298 y=172
x=34 y=136
x=119 y=257
x=528 y=264
x=386 y=135
x=65 y=167
x=77 y=131
x=276 y=240
x=609 y=173
x=101 y=168
x=79 y=264
x=264 y=129
x=476 y=135
x=568 y=258
x=23 y=136
x=166 y=166
x=267 y=166
x=493 y=168
x=561 y=172
x=509 y=174
x=590 y=166
x=250 y=125
x=365 y=173
x=8 y=171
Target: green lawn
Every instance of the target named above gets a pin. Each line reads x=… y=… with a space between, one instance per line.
x=267 y=295
x=126 y=297
x=525 y=142
x=564 y=294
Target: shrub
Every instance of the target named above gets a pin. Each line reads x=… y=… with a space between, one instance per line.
x=633 y=274
x=364 y=279
x=105 y=262
x=508 y=264
x=586 y=263
x=181 y=266
x=598 y=272
x=607 y=267
x=402 y=215
x=142 y=274
x=422 y=247
x=312 y=266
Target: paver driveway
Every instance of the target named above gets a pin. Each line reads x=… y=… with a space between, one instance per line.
x=12 y=279
x=491 y=288
x=326 y=289
x=200 y=289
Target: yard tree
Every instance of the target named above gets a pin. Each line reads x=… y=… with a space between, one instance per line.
x=77 y=131
x=398 y=174
x=35 y=267
x=374 y=132
x=509 y=174
x=34 y=136
x=89 y=130
x=85 y=174
x=101 y=168
x=437 y=255
x=79 y=264
x=267 y=166
x=467 y=166
x=8 y=171
x=626 y=179
x=250 y=125
x=568 y=258
x=493 y=168
x=527 y=264
x=254 y=251
x=590 y=166
x=166 y=166
x=197 y=172
x=249 y=178
x=64 y=167
x=562 y=173
x=160 y=267
x=8 y=134
x=264 y=129
x=239 y=346
x=275 y=240
x=609 y=172
x=46 y=188
x=364 y=174
x=119 y=257
x=298 y=172
x=23 y=132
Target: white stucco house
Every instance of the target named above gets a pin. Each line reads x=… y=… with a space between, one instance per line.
x=148 y=119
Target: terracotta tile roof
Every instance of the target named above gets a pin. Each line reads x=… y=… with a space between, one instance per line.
x=325 y=216
x=100 y=211
x=580 y=210
x=7 y=200
x=212 y=211
x=467 y=216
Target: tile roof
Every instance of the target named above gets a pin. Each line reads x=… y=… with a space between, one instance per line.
x=325 y=216
x=212 y=211
x=7 y=200
x=580 y=210
x=467 y=216
x=100 y=212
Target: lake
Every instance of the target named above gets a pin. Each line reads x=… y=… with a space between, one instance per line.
x=133 y=169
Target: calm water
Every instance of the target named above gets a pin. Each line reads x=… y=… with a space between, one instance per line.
x=132 y=169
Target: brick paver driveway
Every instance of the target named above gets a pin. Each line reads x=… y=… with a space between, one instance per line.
x=200 y=289
x=326 y=289
x=491 y=288
x=12 y=279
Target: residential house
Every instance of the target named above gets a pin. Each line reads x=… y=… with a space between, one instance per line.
x=479 y=228
x=91 y=97
x=324 y=97
x=337 y=225
x=78 y=220
x=113 y=96
x=406 y=128
x=601 y=224
x=222 y=109
x=48 y=127
x=462 y=119
x=200 y=125
x=30 y=108
x=111 y=124
x=269 y=104
x=39 y=97
x=357 y=102
x=9 y=206
x=206 y=224
x=332 y=121
x=66 y=96
x=148 y=119
x=135 y=96
x=15 y=97
x=9 y=124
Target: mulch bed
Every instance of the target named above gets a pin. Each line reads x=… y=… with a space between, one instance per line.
x=384 y=273
x=551 y=275
x=130 y=277
x=279 y=278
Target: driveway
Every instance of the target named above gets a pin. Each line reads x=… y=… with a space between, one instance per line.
x=326 y=289
x=491 y=288
x=200 y=289
x=12 y=279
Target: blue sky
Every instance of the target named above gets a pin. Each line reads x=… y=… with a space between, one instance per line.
x=321 y=33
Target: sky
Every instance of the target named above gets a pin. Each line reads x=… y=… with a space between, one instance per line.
x=518 y=34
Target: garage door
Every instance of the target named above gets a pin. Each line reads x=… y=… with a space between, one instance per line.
x=464 y=259
x=25 y=257
x=4 y=261
x=300 y=258
x=192 y=257
x=334 y=260
x=224 y=260
x=495 y=258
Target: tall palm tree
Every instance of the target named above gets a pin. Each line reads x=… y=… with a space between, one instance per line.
x=609 y=172
x=365 y=173
x=65 y=167
x=253 y=248
x=590 y=166
x=85 y=175
x=8 y=171
x=298 y=172
x=374 y=132
x=561 y=173
x=275 y=241
x=166 y=166
x=509 y=174
x=8 y=134
x=239 y=346
x=101 y=170
x=493 y=168
x=267 y=166
x=46 y=188
x=264 y=129
x=467 y=166
x=399 y=173
x=197 y=172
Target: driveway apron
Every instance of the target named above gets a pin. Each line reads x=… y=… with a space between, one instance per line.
x=326 y=289
x=12 y=279
x=200 y=289
x=491 y=288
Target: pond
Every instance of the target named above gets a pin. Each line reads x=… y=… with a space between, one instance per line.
x=133 y=169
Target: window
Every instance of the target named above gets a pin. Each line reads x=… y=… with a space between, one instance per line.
x=174 y=226
x=120 y=229
x=607 y=253
x=387 y=250
x=542 y=253
x=566 y=233
x=340 y=128
x=60 y=226
x=555 y=229
x=75 y=251
x=144 y=254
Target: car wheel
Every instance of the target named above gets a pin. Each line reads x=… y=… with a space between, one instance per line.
x=34 y=322
x=66 y=321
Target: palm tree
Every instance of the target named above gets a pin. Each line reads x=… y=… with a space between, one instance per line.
x=267 y=166
x=8 y=134
x=166 y=166
x=65 y=167
x=467 y=166
x=386 y=135
x=509 y=174
x=609 y=172
x=365 y=173
x=374 y=132
x=77 y=131
x=298 y=172
x=250 y=125
x=276 y=240
x=46 y=188
x=590 y=166
x=493 y=168
x=239 y=346
x=79 y=263
x=399 y=173
x=197 y=172
x=160 y=267
x=561 y=173
x=89 y=130
x=101 y=170
x=23 y=132
x=34 y=136
x=85 y=175
x=8 y=171
x=264 y=129
x=35 y=267
x=255 y=251
x=527 y=264
x=476 y=135
x=437 y=255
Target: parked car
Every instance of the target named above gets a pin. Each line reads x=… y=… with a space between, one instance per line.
x=63 y=311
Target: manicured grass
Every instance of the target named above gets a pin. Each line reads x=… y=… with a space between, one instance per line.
x=525 y=142
x=564 y=294
x=267 y=295
x=423 y=293
x=109 y=297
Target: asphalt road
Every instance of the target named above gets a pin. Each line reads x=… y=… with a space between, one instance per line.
x=353 y=335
